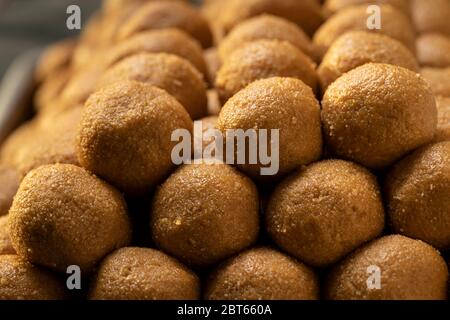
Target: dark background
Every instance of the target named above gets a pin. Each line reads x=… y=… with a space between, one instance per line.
x=26 y=24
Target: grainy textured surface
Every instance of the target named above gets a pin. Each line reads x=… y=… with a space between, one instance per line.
x=263 y=59
x=356 y=48
x=166 y=71
x=266 y=27
x=63 y=215
x=262 y=274
x=431 y=15
x=394 y=24
x=418 y=199
x=143 y=274
x=438 y=79
x=204 y=213
x=377 y=113
x=325 y=211
x=443 y=130
x=125 y=134
x=20 y=280
x=5 y=240
x=433 y=50
x=286 y=104
x=154 y=16
x=410 y=270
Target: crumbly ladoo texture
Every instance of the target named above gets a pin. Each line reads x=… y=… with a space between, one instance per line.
x=175 y=75
x=20 y=280
x=260 y=60
x=286 y=104
x=395 y=24
x=154 y=15
x=325 y=211
x=9 y=183
x=307 y=13
x=335 y=5
x=356 y=48
x=172 y=41
x=5 y=240
x=443 y=130
x=204 y=213
x=262 y=274
x=377 y=113
x=125 y=134
x=267 y=27
x=433 y=50
x=409 y=270
x=431 y=16
x=438 y=79
x=417 y=191
x=143 y=274
x=62 y=215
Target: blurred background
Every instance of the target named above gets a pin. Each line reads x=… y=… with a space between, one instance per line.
x=26 y=24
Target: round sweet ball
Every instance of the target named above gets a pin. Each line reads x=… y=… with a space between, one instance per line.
x=417 y=191
x=356 y=48
x=55 y=57
x=125 y=134
x=9 y=179
x=433 y=50
x=284 y=104
x=20 y=280
x=172 y=41
x=443 y=130
x=390 y=268
x=166 y=71
x=307 y=14
x=5 y=240
x=267 y=27
x=143 y=274
x=323 y=212
x=431 y=15
x=377 y=113
x=167 y=14
x=263 y=59
x=204 y=213
x=262 y=274
x=438 y=79
x=62 y=215
x=394 y=24
x=335 y=5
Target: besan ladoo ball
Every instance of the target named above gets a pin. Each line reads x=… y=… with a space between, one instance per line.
x=377 y=113
x=390 y=268
x=262 y=274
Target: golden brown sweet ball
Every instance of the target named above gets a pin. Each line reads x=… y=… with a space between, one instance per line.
x=53 y=142
x=168 y=14
x=171 y=41
x=262 y=274
x=443 y=130
x=9 y=183
x=63 y=215
x=438 y=79
x=51 y=88
x=335 y=5
x=433 y=50
x=55 y=57
x=204 y=213
x=356 y=48
x=125 y=134
x=286 y=104
x=267 y=27
x=5 y=240
x=143 y=274
x=323 y=212
x=307 y=13
x=431 y=15
x=407 y=269
x=377 y=113
x=394 y=24
x=175 y=75
x=263 y=59
x=418 y=199
x=20 y=280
